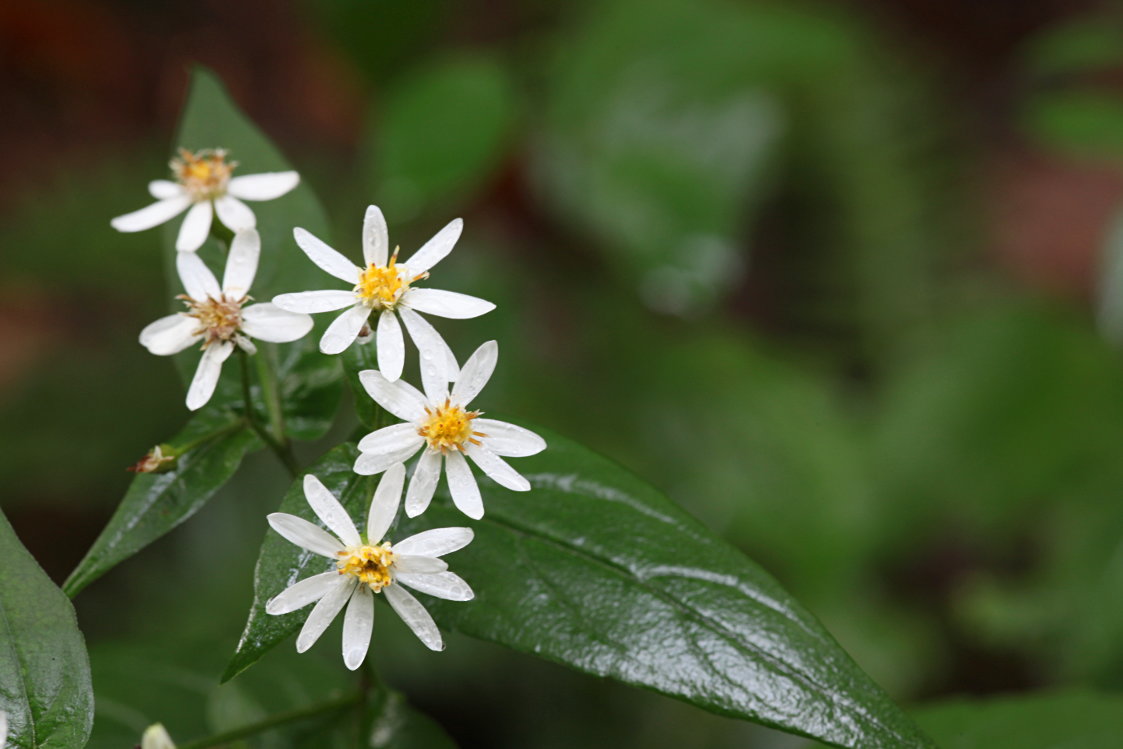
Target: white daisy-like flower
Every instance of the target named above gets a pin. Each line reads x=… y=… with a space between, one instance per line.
x=364 y=567
x=219 y=317
x=440 y=424
x=385 y=287
x=204 y=183
x=156 y=737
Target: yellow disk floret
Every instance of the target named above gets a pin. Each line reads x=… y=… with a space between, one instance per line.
x=219 y=319
x=449 y=427
x=371 y=564
x=204 y=174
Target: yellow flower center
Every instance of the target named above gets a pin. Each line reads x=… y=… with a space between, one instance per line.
x=449 y=427
x=371 y=564
x=219 y=319
x=381 y=286
x=204 y=174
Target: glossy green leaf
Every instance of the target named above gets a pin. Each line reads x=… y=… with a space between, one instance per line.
x=1059 y=720
x=598 y=571
x=157 y=502
x=44 y=673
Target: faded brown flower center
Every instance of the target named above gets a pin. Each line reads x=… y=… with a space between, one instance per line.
x=204 y=174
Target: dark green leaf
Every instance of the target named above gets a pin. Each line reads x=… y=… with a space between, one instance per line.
x=157 y=502
x=396 y=725
x=598 y=571
x=44 y=672
x=355 y=359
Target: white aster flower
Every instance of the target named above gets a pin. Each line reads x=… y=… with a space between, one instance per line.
x=440 y=424
x=364 y=567
x=204 y=183
x=156 y=737
x=385 y=287
x=218 y=316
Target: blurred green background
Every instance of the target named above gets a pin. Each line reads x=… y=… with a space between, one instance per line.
x=827 y=273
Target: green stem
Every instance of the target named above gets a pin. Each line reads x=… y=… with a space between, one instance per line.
x=272 y=398
x=282 y=450
x=273 y=721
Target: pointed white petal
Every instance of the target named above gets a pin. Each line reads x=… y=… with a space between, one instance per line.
x=475 y=373
x=234 y=213
x=324 y=611
x=376 y=240
x=436 y=249
x=305 y=534
x=163 y=189
x=196 y=225
x=399 y=398
x=244 y=343
x=169 y=335
x=265 y=186
x=419 y=565
x=241 y=264
x=462 y=485
x=391 y=439
x=448 y=304
x=391 y=346
x=300 y=594
x=151 y=215
x=436 y=542
x=344 y=329
x=358 y=624
x=415 y=616
x=423 y=483
x=328 y=510
x=384 y=504
x=431 y=354
x=206 y=374
x=197 y=279
x=369 y=465
x=498 y=469
x=507 y=439
x=315 y=301
x=328 y=259
x=268 y=322
x=446 y=585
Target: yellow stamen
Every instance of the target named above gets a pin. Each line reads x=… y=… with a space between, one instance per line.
x=204 y=174
x=449 y=427
x=219 y=319
x=371 y=564
x=381 y=286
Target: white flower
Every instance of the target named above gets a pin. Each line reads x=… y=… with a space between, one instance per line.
x=3 y=729
x=385 y=286
x=204 y=183
x=440 y=424
x=156 y=737
x=218 y=316
x=365 y=567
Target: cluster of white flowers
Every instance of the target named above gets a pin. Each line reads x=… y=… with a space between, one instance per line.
x=436 y=422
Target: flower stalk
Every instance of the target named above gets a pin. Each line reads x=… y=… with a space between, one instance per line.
x=282 y=449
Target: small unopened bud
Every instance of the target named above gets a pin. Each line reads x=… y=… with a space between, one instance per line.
x=156 y=737
x=366 y=335
x=157 y=460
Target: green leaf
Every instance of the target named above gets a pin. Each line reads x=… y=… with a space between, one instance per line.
x=355 y=359
x=157 y=502
x=598 y=571
x=44 y=673
x=398 y=726
x=1060 y=720
x=1087 y=124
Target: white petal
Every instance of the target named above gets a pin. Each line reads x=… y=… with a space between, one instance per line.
x=436 y=542
x=391 y=439
x=436 y=249
x=163 y=189
x=507 y=439
x=448 y=304
x=376 y=240
x=151 y=215
x=197 y=279
x=391 y=346
x=300 y=594
x=206 y=374
x=475 y=373
x=169 y=335
x=234 y=213
x=344 y=329
x=384 y=504
x=369 y=465
x=196 y=225
x=497 y=469
x=241 y=264
x=423 y=483
x=328 y=510
x=410 y=563
x=306 y=535
x=328 y=259
x=324 y=612
x=415 y=616
x=315 y=301
x=268 y=322
x=431 y=354
x=154 y=737
x=244 y=343
x=462 y=485
x=399 y=398
x=265 y=186
x=446 y=585
x=358 y=624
